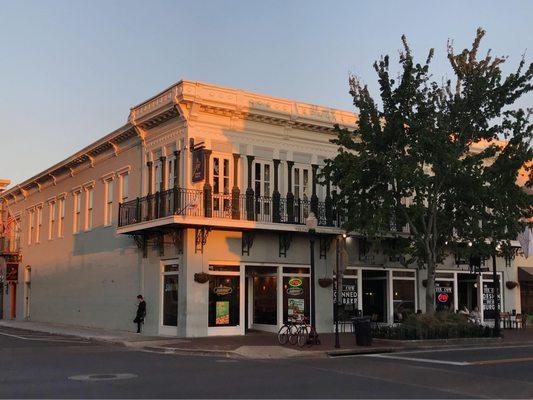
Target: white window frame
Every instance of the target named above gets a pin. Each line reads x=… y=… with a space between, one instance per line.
x=39 y=223
x=298 y=169
x=108 y=201
x=31 y=225
x=52 y=218
x=89 y=207
x=124 y=180
x=61 y=207
x=76 y=211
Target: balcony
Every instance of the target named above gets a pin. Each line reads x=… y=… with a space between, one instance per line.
x=239 y=211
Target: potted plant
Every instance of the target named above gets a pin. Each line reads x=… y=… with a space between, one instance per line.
x=511 y=284
x=325 y=282
x=201 y=277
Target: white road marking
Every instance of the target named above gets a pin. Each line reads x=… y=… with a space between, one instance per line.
x=463 y=349
x=50 y=339
x=422 y=360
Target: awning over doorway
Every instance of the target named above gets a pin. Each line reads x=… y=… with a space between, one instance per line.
x=525 y=274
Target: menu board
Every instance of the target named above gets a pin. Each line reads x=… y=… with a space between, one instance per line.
x=488 y=300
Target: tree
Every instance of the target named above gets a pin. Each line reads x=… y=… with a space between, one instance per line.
x=411 y=161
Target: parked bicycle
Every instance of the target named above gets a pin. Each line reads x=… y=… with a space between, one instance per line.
x=298 y=332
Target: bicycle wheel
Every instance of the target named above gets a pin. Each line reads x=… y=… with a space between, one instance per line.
x=283 y=335
x=293 y=334
x=303 y=336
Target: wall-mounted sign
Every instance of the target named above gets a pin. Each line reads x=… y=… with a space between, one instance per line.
x=295 y=282
x=222 y=313
x=198 y=165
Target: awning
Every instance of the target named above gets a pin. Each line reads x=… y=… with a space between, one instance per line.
x=525 y=274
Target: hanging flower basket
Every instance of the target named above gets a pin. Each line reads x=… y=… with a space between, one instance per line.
x=201 y=277
x=511 y=284
x=325 y=282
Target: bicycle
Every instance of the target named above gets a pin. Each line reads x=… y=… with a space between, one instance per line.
x=307 y=334
x=288 y=333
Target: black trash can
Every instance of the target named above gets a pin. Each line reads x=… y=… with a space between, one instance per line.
x=363 y=331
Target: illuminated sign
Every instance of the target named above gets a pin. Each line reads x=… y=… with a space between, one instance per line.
x=443 y=297
x=295 y=282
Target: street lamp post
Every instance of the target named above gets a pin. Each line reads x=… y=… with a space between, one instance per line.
x=311 y=223
x=339 y=293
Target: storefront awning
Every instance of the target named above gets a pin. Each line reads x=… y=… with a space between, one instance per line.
x=525 y=274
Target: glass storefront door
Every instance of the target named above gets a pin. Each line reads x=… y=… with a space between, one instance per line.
x=265 y=300
x=296 y=298
x=169 y=300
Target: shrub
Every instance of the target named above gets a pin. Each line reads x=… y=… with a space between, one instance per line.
x=441 y=325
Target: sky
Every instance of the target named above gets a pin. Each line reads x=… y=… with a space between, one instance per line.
x=71 y=70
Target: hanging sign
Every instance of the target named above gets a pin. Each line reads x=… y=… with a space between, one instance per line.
x=12 y=272
x=198 y=165
x=348 y=295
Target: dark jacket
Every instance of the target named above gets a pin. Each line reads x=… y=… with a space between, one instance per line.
x=141 y=310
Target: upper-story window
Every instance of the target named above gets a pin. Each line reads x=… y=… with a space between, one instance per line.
x=158 y=177
x=15 y=246
x=262 y=178
x=301 y=183
x=124 y=187
x=170 y=172
x=77 y=212
x=52 y=215
x=89 y=204
x=39 y=224
x=108 y=206
x=61 y=218
x=221 y=183
x=31 y=230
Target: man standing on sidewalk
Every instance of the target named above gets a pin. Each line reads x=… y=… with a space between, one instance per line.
x=141 y=313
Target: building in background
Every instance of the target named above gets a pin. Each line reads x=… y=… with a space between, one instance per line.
x=199 y=203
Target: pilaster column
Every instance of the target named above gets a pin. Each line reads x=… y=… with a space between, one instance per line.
x=276 y=197
x=314 y=197
x=328 y=204
x=250 y=191
x=149 y=200
x=290 y=195
x=176 y=191
x=208 y=191
x=235 y=191
x=162 y=185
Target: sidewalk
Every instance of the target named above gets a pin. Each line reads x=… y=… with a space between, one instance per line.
x=259 y=344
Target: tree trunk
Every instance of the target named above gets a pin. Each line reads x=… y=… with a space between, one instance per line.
x=430 y=287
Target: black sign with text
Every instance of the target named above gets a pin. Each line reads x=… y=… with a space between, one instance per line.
x=198 y=165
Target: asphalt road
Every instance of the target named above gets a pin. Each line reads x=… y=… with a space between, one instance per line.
x=41 y=365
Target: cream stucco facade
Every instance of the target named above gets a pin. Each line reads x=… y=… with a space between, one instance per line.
x=83 y=261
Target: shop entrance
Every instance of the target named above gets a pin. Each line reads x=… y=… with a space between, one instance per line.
x=467 y=288
x=262 y=298
x=375 y=295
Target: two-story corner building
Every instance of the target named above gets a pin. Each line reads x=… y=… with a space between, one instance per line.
x=199 y=202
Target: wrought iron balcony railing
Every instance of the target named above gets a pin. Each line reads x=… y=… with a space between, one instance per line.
x=235 y=206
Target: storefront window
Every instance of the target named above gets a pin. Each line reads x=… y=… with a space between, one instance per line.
x=224 y=300
x=296 y=301
x=403 y=299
